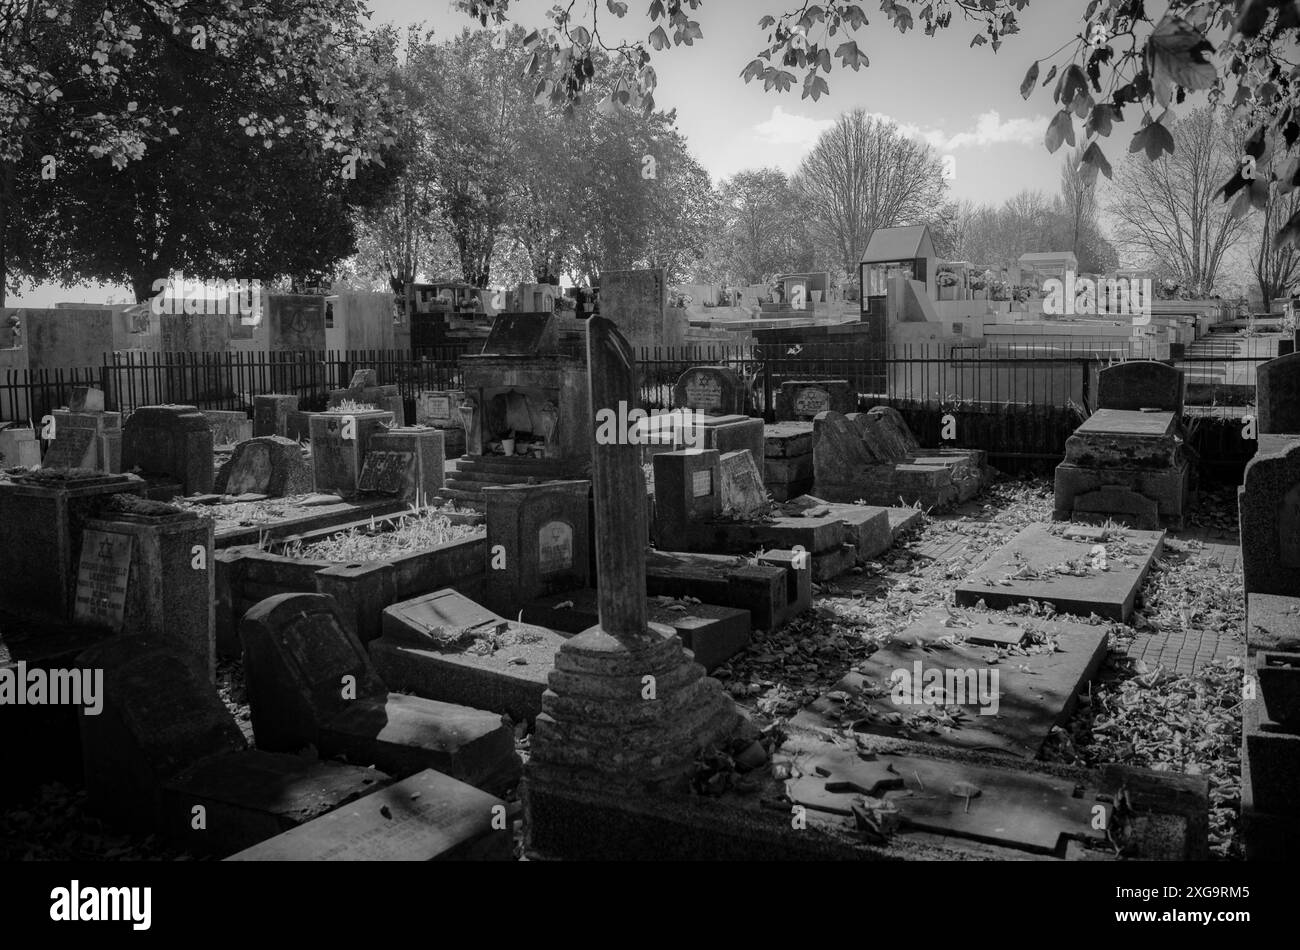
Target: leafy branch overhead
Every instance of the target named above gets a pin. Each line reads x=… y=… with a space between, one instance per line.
x=1237 y=53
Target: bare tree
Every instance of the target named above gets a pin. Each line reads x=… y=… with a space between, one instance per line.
x=1169 y=210
x=1276 y=267
x=864 y=174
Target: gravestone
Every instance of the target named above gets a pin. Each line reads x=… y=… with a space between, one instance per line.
x=687 y=490
x=596 y=727
x=364 y=388
x=87 y=399
x=537 y=540
x=228 y=427
x=713 y=390
x=170 y=440
x=427 y=817
x=1277 y=395
x=1268 y=505
x=441 y=410
x=743 y=496
x=90 y=440
x=637 y=302
x=158 y=717
x=407 y=462
x=803 y=399
x=310 y=682
x=18 y=446
x=271 y=414
x=339 y=442
x=269 y=465
x=42 y=519
x=1140 y=384
x=146 y=571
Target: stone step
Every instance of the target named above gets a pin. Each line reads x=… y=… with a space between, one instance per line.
x=552 y=468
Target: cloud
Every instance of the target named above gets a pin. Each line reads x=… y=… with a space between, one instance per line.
x=786 y=128
x=990 y=129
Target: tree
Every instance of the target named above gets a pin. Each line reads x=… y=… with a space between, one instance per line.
x=1121 y=56
x=1168 y=209
x=86 y=92
x=763 y=231
x=861 y=175
x=1275 y=266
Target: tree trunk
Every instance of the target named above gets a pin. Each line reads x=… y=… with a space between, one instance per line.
x=142 y=285
x=6 y=202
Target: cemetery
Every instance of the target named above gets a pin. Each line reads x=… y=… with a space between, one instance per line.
x=549 y=486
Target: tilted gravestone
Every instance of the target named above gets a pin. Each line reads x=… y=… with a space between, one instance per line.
x=713 y=390
x=1268 y=504
x=170 y=440
x=1277 y=390
x=310 y=682
x=743 y=495
x=538 y=542
x=1140 y=384
x=269 y=465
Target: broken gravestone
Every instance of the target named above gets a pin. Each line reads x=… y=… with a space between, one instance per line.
x=269 y=465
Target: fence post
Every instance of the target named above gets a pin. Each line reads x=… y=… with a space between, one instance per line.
x=1087 y=384
x=769 y=413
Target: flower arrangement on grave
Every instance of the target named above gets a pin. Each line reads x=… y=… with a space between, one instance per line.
x=999 y=290
x=978 y=282
x=945 y=277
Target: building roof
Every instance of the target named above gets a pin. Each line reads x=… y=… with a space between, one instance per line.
x=1047 y=256
x=899 y=244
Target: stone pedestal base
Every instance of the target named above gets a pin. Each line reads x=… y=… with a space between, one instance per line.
x=628 y=717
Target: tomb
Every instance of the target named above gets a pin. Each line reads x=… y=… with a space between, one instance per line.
x=538 y=539
x=1277 y=395
x=172 y=443
x=444 y=646
x=228 y=427
x=714 y=391
x=699 y=507
x=526 y=407
x=89 y=439
x=271 y=413
x=440 y=409
x=1036 y=669
x=1078 y=569
x=1268 y=505
x=43 y=515
x=788 y=459
x=873 y=457
x=771 y=587
x=339 y=442
x=364 y=389
x=310 y=683
x=1129 y=460
x=404 y=462
x=164 y=754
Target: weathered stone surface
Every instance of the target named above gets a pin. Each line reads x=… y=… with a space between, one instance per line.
x=1272 y=622
x=407 y=462
x=86 y=440
x=18 y=446
x=269 y=465
x=787 y=439
x=159 y=715
x=715 y=390
x=444 y=646
x=310 y=682
x=1277 y=395
x=271 y=413
x=1268 y=504
x=364 y=389
x=228 y=427
x=339 y=442
x=427 y=817
x=538 y=539
x=1025 y=568
x=1141 y=384
x=686 y=491
x=250 y=796
x=1034 y=690
x=1270 y=768
x=87 y=399
x=804 y=399
x=885 y=434
x=170 y=440
x=742 y=485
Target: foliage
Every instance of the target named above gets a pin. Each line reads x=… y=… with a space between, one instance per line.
x=762 y=230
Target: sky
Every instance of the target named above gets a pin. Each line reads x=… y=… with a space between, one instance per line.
x=963 y=101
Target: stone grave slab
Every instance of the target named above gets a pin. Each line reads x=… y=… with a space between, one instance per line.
x=538 y=539
x=364 y=389
x=1268 y=505
x=1025 y=569
x=228 y=427
x=762 y=589
x=269 y=465
x=446 y=647
x=1277 y=395
x=1141 y=384
x=251 y=796
x=803 y=399
x=1272 y=622
x=72 y=448
x=159 y=716
x=339 y=442
x=742 y=485
x=426 y=817
x=1028 y=811
x=310 y=682
x=1035 y=689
